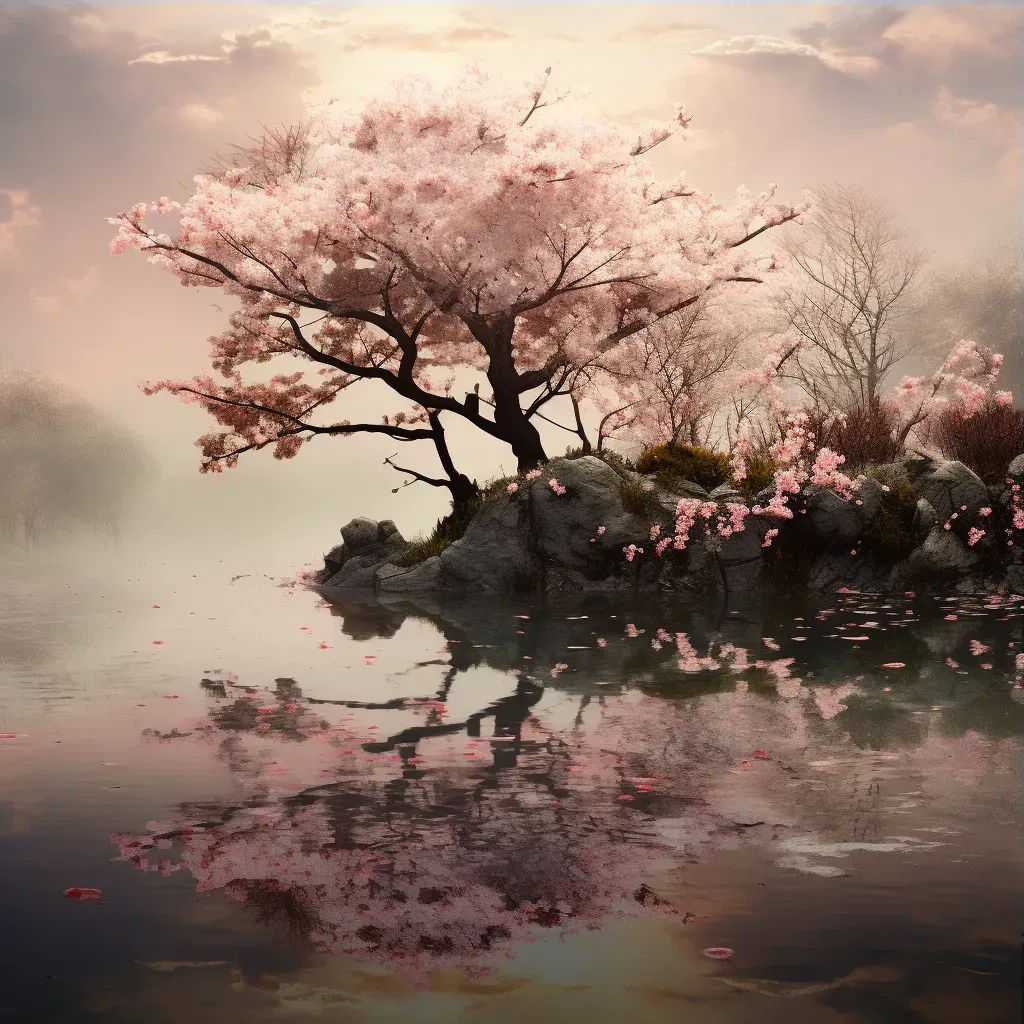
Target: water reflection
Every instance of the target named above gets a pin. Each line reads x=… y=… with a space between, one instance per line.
x=629 y=741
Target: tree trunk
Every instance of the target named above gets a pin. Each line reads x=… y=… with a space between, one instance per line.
x=520 y=434
x=524 y=440
x=464 y=491
x=464 y=495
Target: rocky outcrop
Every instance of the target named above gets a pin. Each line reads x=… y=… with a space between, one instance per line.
x=538 y=539
x=366 y=546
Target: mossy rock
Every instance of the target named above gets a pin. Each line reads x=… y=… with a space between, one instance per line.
x=636 y=500
x=760 y=474
x=891 y=530
x=667 y=462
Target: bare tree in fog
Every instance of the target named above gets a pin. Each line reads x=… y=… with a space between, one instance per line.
x=62 y=463
x=855 y=271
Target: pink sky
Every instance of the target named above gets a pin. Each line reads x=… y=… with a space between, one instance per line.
x=102 y=106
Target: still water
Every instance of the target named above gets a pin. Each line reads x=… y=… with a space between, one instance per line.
x=277 y=804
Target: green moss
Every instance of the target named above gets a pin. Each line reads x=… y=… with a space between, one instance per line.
x=760 y=473
x=700 y=465
x=636 y=500
x=891 y=532
x=422 y=548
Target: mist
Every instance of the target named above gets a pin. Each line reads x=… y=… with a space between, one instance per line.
x=64 y=465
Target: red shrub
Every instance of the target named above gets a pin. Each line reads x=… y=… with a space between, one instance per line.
x=985 y=442
x=866 y=438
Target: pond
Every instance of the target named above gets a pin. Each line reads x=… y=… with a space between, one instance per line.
x=223 y=799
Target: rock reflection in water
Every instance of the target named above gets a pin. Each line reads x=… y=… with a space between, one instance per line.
x=450 y=843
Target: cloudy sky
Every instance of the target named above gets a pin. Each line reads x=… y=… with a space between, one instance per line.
x=105 y=105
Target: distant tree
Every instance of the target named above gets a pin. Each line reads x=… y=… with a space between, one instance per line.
x=981 y=298
x=854 y=268
x=62 y=462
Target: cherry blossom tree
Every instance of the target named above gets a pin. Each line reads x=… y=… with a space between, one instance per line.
x=966 y=381
x=438 y=229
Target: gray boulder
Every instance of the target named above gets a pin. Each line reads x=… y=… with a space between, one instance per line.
x=358 y=571
x=943 y=554
x=1013 y=581
x=744 y=547
x=334 y=559
x=723 y=492
x=562 y=525
x=1016 y=469
x=385 y=529
x=360 y=533
x=688 y=489
x=948 y=486
x=832 y=518
x=428 y=576
x=867 y=498
x=495 y=553
x=925 y=519
x=367 y=545
x=836 y=569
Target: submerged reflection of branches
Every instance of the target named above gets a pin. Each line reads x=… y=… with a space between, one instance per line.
x=448 y=843
x=455 y=862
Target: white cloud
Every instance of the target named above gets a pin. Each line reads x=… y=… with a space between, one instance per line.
x=938 y=33
x=774 y=46
x=990 y=124
x=199 y=115
x=84 y=284
x=23 y=216
x=165 y=57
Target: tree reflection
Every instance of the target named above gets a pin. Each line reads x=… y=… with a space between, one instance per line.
x=447 y=843
x=461 y=854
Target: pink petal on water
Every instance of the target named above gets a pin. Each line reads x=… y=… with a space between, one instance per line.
x=718 y=952
x=79 y=893
x=894 y=664
x=10 y=735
